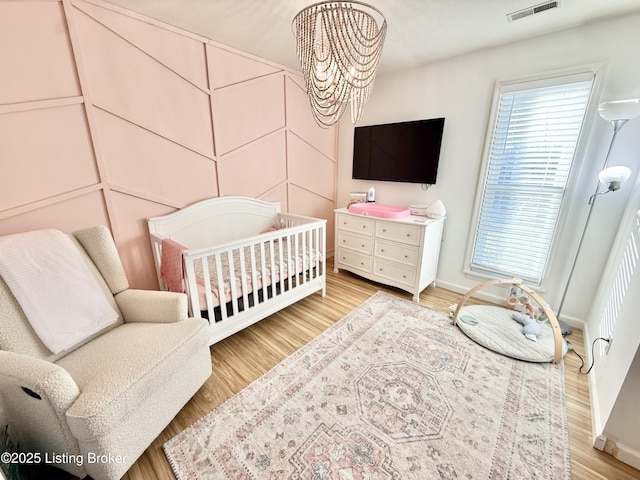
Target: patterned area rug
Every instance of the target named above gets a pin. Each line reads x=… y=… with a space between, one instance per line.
x=391 y=391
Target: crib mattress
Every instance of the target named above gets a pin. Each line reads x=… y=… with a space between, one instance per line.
x=292 y=262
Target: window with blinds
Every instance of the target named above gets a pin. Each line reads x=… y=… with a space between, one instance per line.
x=531 y=151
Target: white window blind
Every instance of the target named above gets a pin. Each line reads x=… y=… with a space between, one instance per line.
x=623 y=278
x=531 y=151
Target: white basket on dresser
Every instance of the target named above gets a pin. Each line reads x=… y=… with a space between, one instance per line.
x=402 y=253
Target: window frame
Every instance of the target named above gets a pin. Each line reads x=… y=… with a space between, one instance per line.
x=578 y=163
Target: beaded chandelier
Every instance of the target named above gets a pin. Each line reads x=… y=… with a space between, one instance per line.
x=339 y=45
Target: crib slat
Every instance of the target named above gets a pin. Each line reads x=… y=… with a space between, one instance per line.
x=192 y=288
x=281 y=266
x=272 y=268
x=221 y=292
x=307 y=249
x=243 y=278
x=323 y=242
x=206 y=279
x=254 y=274
x=291 y=271
x=296 y=256
x=232 y=283
x=263 y=268
x=313 y=254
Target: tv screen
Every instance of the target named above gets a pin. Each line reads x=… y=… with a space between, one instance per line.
x=398 y=152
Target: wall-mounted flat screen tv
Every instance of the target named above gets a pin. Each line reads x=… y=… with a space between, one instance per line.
x=398 y=152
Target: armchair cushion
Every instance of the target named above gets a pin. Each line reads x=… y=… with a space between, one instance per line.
x=120 y=370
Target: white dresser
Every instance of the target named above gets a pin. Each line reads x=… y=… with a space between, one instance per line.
x=401 y=253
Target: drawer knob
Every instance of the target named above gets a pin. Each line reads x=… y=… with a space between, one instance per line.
x=406 y=256
x=384 y=230
x=382 y=249
x=362 y=245
x=408 y=234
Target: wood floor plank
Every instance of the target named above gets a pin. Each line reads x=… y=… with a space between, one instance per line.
x=245 y=356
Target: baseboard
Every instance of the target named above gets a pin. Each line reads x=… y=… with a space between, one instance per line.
x=624 y=454
x=574 y=322
x=597 y=426
x=600 y=442
x=488 y=296
x=482 y=295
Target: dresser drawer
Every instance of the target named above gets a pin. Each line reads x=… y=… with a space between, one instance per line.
x=397 y=273
x=357 y=242
x=398 y=232
x=397 y=252
x=356 y=224
x=354 y=260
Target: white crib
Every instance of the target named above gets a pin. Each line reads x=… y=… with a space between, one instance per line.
x=243 y=259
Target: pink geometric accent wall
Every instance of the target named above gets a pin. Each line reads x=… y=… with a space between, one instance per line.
x=109 y=117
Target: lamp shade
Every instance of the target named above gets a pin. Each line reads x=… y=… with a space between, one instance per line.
x=620 y=109
x=619 y=174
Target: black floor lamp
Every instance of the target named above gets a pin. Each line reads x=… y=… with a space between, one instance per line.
x=618 y=113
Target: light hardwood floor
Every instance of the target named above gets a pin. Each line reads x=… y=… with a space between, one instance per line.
x=242 y=358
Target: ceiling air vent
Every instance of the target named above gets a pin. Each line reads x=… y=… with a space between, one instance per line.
x=526 y=12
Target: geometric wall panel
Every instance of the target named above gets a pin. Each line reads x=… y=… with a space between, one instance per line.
x=182 y=54
x=310 y=169
x=67 y=215
x=267 y=156
x=300 y=120
x=228 y=68
x=141 y=161
x=37 y=61
x=247 y=111
x=278 y=194
x=129 y=83
x=304 y=202
x=132 y=238
x=162 y=119
x=45 y=152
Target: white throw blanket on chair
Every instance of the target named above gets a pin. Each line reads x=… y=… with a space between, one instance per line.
x=55 y=288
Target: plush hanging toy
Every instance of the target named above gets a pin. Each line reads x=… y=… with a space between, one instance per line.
x=530 y=327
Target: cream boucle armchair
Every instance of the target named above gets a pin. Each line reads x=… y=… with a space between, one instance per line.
x=95 y=409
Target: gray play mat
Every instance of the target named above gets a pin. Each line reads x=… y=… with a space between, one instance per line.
x=494 y=328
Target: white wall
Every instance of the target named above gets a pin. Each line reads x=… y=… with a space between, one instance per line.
x=615 y=378
x=622 y=428
x=461 y=89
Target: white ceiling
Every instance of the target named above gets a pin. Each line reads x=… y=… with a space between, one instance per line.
x=419 y=31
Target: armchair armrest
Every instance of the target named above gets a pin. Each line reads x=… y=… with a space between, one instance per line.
x=152 y=306
x=36 y=395
x=42 y=378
